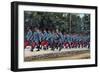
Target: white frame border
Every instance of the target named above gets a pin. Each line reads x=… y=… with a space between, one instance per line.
x=22 y=64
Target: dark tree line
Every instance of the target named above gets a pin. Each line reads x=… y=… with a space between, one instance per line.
x=65 y=22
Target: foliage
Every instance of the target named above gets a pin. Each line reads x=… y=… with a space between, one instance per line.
x=65 y=22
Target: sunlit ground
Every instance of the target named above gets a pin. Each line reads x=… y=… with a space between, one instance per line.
x=64 y=54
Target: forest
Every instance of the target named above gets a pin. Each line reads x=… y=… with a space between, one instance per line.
x=65 y=22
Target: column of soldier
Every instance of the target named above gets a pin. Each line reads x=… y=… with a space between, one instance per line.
x=54 y=40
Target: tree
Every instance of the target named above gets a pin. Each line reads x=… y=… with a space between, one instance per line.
x=65 y=22
x=86 y=23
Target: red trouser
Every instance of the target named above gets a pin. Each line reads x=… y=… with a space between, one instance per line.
x=26 y=43
x=67 y=44
x=44 y=43
x=33 y=45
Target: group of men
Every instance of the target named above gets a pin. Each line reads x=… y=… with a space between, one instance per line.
x=55 y=39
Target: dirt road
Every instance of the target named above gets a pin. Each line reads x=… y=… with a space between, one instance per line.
x=69 y=54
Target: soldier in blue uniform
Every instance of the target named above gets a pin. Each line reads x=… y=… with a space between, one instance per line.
x=54 y=40
x=57 y=40
x=45 y=35
x=78 y=40
x=88 y=41
x=44 y=41
x=37 y=37
x=60 y=40
x=29 y=34
x=67 y=41
x=50 y=39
